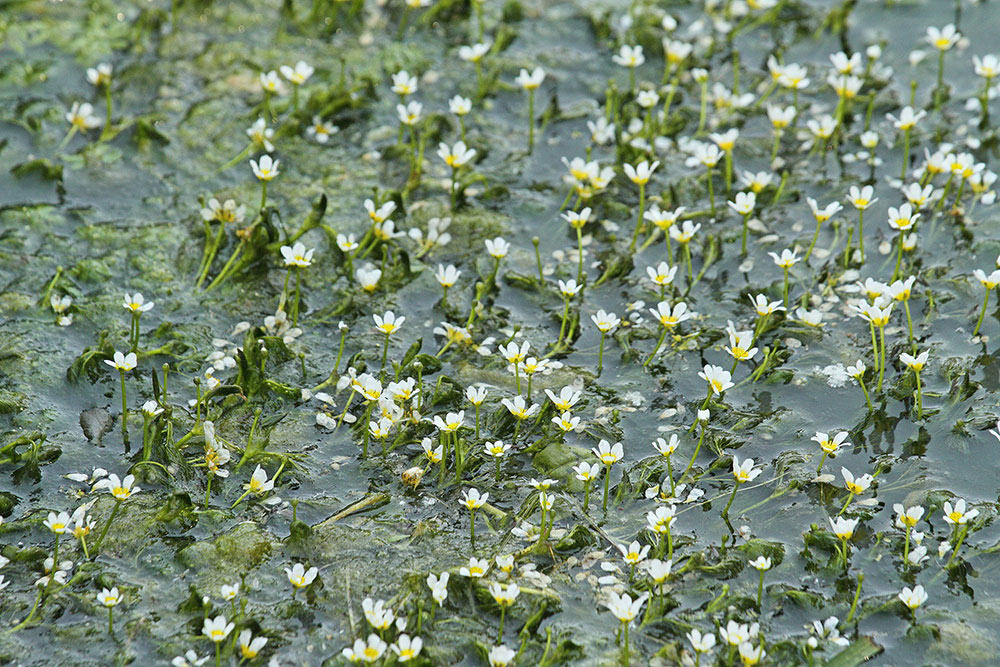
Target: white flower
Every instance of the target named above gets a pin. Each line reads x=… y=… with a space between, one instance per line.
x=447 y=276
x=460 y=106
x=530 y=80
x=605 y=322
x=100 y=75
x=403 y=83
x=501 y=656
x=957 y=515
x=407 y=648
x=82 y=117
x=299 y=74
x=843 y=527
x=608 y=453
x=944 y=38
x=786 y=260
x=365 y=651
x=368 y=277
x=987 y=67
x=299 y=576
x=624 y=607
x=629 y=56
x=913 y=598
x=476 y=569
x=744 y=204
x=473 y=500
x=266 y=169
x=780 y=117
x=856 y=485
x=744 y=472
x=914 y=363
x=908 y=118
x=217 y=629
x=297 y=255
x=456 y=156
x=388 y=323
x=261 y=135
x=475 y=52
x=701 y=643
x=136 y=303
x=269 y=82
x=410 y=113
x=497 y=248
x=718 y=379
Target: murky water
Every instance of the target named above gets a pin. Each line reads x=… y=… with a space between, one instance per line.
x=103 y=218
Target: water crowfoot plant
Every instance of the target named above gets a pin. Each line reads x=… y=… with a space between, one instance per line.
x=121 y=490
x=742 y=473
x=295 y=257
x=916 y=364
x=989 y=282
x=625 y=609
x=608 y=454
x=472 y=500
x=762 y=564
x=640 y=175
x=606 y=323
x=530 y=82
x=266 y=170
x=110 y=599
x=123 y=363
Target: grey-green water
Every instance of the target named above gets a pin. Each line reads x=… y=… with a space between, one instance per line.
x=122 y=215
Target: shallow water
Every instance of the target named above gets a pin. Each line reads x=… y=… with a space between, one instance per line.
x=122 y=215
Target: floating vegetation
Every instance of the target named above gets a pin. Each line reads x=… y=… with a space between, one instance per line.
x=499 y=332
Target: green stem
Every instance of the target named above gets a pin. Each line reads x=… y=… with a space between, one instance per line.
x=656 y=349
x=868 y=400
x=961 y=538
x=104 y=531
x=736 y=488
x=813 y=243
x=531 y=121
x=881 y=369
x=850 y=497
x=607 y=484
x=600 y=355
x=857 y=596
x=298 y=295
x=906 y=155
x=638 y=222
x=121 y=374
x=107 y=102
x=906 y=547
x=861 y=234
x=982 y=312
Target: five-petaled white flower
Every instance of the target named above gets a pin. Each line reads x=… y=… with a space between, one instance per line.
x=297 y=255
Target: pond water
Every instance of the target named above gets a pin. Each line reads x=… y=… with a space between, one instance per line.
x=95 y=215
